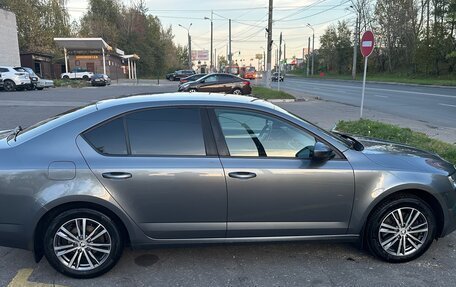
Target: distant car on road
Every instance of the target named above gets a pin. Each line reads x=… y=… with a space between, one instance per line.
x=191 y=78
x=275 y=77
x=180 y=74
x=250 y=73
x=14 y=80
x=100 y=80
x=218 y=83
x=78 y=73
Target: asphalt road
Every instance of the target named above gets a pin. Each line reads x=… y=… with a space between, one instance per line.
x=433 y=105
x=261 y=264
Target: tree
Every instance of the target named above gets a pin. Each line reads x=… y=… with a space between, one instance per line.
x=336 y=48
x=38 y=22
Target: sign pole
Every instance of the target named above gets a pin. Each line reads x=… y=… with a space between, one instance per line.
x=367 y=46
x=364 y=87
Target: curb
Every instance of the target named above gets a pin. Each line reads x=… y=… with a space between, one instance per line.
x=281 y=100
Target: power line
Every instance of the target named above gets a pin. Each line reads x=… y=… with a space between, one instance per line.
x=318 y=13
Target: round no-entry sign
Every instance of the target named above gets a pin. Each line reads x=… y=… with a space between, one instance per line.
x=367 y=43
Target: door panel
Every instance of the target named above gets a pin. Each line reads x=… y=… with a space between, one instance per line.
x=168 y=197
x=288 y=197
x=271 y=192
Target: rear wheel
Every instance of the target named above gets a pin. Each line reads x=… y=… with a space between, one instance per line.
x=401 y=229
x=192 y=90
x=237 y=92
x=9 y=85
x=82 y=243
x=66 y=77
x=85 y=77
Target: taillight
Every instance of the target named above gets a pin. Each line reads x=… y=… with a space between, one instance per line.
x=247 y=83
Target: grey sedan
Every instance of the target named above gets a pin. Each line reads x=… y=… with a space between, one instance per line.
x=180 y=169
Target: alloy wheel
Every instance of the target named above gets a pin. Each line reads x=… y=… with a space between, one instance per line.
x=8 y=86
x=82 y=244
x=237 y=92
x=403 y=231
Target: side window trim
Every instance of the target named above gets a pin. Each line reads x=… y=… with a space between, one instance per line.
x=208 y=136
x=223 y=147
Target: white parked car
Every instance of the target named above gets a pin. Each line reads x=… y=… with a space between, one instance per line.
x=14 y=80
x=43 y=83
x=78 y=73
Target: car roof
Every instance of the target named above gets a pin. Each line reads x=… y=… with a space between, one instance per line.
x=185 y=99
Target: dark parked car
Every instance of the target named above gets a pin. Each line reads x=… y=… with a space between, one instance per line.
x=180 y=74
x=100 y=80
x=200 y=168
x=218 y=83
x=275 y=77
x=191 y=78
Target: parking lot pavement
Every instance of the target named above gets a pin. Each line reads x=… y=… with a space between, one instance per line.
x=261 y=264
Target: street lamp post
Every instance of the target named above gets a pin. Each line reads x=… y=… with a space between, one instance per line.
x=313 y=47
x=212 y=36
x=190 y=65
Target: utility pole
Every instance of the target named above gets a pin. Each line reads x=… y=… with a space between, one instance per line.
x=355 y=49
x=189 y=45
x=215 y=60
x=230 y=56
x=280 y=56
x=212 y=39
x=269 y=45
x=308 y=58
x=313 y=47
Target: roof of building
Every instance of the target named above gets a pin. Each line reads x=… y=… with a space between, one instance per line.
x=82 y=43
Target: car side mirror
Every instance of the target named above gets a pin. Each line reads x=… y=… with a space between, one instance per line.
x=322 y=152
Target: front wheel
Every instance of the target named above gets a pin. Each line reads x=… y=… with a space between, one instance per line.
x=82 y=243
x=9 y=86
x=401 y=229
x=192 y=90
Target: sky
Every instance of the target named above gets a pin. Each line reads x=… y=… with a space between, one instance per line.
x=249 y=18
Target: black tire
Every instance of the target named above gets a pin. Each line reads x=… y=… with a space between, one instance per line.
x=115 y=239
x=381 y=212
x=39 y=89
x=172 y=79
x=85 y=77
x=66 y=77
x=236 y=91
x=9 y=86
x=192 y=90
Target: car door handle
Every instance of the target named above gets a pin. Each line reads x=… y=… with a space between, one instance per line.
x=242 y=174
x=116 y=175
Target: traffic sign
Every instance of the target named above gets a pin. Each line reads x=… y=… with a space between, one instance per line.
x=367 y=43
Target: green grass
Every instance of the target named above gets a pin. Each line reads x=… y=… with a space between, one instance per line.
x=447 y=80
x=71 y=83
x=268 y=94
x=397 y=134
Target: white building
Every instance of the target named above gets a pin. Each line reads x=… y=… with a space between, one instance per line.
x=9 y=44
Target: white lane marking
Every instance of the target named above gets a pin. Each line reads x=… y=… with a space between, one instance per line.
x=378 y=89
x=380 y=96
x=447 y=105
